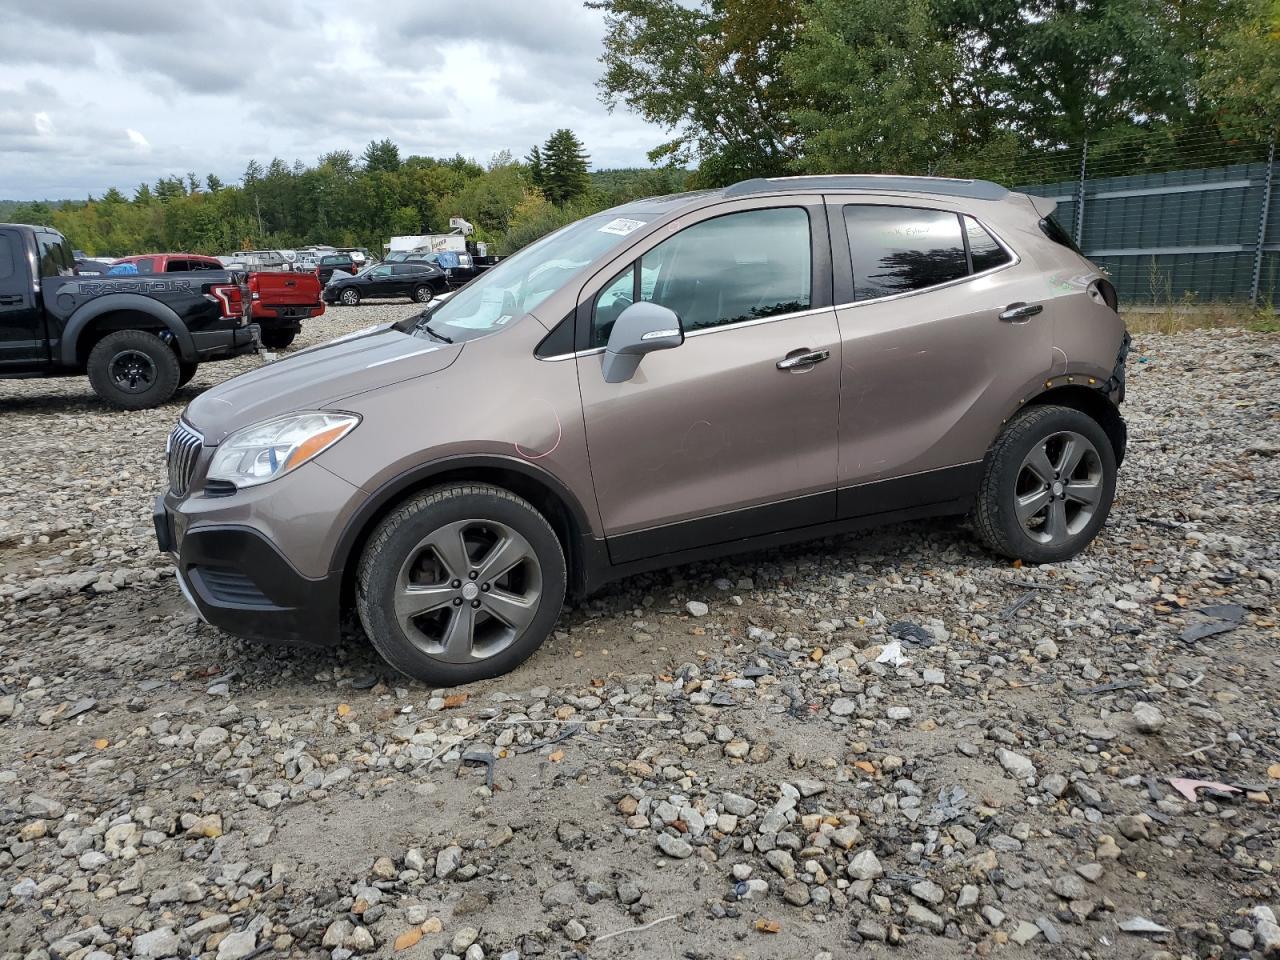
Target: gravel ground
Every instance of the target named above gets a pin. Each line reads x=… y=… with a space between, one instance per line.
x=721 y=760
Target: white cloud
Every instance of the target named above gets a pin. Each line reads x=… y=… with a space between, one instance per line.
x=213 y=90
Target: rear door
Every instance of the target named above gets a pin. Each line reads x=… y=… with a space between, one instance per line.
x=22 y=330
x=929 y=368
x=711 y=441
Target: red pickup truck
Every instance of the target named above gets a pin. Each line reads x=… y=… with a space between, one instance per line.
x=281 y=301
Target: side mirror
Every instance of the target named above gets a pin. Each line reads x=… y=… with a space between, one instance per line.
x=641 y=328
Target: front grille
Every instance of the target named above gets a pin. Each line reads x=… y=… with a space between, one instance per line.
x=183 y=452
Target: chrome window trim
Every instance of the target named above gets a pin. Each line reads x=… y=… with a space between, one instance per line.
x=937 y=286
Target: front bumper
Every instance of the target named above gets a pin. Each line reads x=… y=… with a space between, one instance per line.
x=239 y=582
x=219 y=344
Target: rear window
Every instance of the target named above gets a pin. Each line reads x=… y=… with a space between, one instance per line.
x=901 y=249
x=1057 y=233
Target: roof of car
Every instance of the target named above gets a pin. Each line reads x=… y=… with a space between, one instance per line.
x=864 y=182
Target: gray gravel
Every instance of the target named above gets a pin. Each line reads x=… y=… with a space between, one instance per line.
x=706 y=762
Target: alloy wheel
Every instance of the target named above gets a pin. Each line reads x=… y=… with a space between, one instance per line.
x=1059 y=487
x=132 y=371
x=468 y=590
x=350 y=297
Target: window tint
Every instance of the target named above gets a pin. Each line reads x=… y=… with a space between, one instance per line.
x=53 y=259
x=145 y=265
x=408 y=268
x=10 y=258
x=610 y=302
x=984 y=252
x=177 y=266
x=738 y=267
x=899 y=249
x=1052 y=229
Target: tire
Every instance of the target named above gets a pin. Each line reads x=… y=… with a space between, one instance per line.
x=501 y=529
x=1033 y=504
x=422 y=294
x=277 y=339
x=185 y=372
x=133 y=370
x=349 y=297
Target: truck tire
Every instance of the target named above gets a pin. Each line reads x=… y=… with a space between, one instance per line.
x=185 y=372
x=460 y=583
x=277 y=339
x=133 y=370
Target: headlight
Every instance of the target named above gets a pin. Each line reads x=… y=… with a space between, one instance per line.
x=271 y=449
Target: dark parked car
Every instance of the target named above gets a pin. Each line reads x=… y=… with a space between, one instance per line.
x=667 y=381
x=331 y=263
x=138 y=338
x=419 y=281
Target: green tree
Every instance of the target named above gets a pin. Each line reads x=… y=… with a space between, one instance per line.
x=711 y=73
x=381 y=156
x=1242 y=82
x=213 y=183
x=872 y=85
x=534 y=162
x=565 y=163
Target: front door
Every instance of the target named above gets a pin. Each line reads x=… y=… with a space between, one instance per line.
x=22 y=333
x=712 y=441
x=929 y=367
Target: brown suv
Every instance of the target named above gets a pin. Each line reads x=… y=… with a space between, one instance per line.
x=669 y=380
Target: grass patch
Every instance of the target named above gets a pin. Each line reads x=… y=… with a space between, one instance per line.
x=1177 y=317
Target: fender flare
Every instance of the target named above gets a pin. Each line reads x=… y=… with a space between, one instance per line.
x=133 y=303
x=392 y=490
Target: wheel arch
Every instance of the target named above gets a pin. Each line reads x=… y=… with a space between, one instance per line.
x=1094 y=404
x=544 y=492
x=121 y=311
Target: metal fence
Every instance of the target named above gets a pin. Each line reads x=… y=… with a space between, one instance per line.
x=1206 y=234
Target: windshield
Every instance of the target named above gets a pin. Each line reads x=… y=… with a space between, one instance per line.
x=521 y=282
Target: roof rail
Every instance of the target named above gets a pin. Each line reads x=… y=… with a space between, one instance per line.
x=877 y=183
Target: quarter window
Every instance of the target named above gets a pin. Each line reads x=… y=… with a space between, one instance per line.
x=900 y=249
x=730 y=269
x=984 y=252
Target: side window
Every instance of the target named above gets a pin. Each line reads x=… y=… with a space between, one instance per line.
x=900 y=249
x=730 y=269
x=173 y=265
x=381 y=272
x=52 y=256
x=984 y=252
x=610 y=302
x=10 y=260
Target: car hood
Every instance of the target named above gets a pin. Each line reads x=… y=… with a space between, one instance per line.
x=318 y=378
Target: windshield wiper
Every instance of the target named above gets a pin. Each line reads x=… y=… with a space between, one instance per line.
x=439 y=336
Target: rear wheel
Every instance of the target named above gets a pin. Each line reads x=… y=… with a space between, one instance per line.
x=133 y=369
x=278 y=339
x=1048 y=486
x=460 y=583
x=350 y=297
x=422 y=294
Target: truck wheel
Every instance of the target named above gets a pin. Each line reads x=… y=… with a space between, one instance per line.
x=460 y=583
x=422 y=294
x=278 y=339
x=185 y=372
x=133 y=370
x=350 y=297
x=1049 y=482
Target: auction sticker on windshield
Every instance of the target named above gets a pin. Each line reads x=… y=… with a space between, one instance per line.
x=621 y=226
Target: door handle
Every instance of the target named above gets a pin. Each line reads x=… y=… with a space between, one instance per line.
x=1020 y=312
x=10 y=301
x=803 y=358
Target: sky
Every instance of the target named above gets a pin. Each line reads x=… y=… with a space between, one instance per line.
x=101 y=94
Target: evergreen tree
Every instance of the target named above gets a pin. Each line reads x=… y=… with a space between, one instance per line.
x=564 y=164
x=536 y=171
x=381 y=156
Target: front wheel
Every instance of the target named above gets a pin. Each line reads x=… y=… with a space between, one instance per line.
x=460 y=583
x=1048 y=486
x=350 y=297
x=133 y=369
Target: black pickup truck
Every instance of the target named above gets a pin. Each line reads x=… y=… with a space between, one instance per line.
x=139 y=338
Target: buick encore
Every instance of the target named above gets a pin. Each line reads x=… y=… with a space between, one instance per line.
x=670 y=380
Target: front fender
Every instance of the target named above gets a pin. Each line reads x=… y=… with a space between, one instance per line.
x=80 y=320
